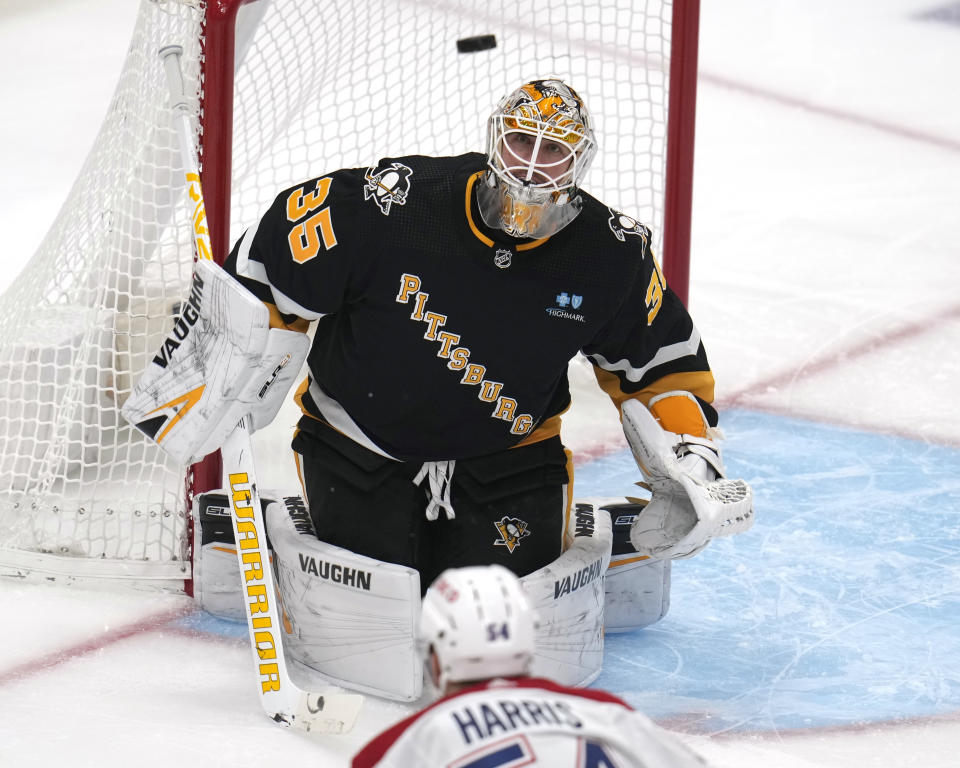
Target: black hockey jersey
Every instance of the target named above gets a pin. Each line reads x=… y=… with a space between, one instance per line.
x=439 y=338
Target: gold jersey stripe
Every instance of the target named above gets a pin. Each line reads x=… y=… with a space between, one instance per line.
x=699 y=383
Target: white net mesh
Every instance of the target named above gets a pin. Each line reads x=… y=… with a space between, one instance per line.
x=401 y=87
x=320 y=85
x=92 y=304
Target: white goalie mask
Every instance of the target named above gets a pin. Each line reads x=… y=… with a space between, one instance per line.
x=540 y=144
x=479 y=623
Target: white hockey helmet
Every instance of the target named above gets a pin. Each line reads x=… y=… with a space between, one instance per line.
x=540 y=143
x=479 y=623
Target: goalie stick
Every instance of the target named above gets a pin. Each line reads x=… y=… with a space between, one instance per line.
x=282 y=700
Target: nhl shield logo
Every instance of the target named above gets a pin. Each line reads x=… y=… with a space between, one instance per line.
x=503 y=258
x=511 y=530
x=386 y=185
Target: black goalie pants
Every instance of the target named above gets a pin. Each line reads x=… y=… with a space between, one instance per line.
x=510 y=507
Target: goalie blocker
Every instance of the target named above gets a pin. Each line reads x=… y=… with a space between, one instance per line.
x=220 y=362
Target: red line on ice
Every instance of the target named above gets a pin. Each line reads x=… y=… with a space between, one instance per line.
x=835 y=360
x=839 y=114
x=111 y=637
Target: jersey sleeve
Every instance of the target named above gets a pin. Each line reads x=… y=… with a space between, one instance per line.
x=651 y=345
x=301 y=257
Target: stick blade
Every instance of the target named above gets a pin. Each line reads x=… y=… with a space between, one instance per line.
x=328 y=712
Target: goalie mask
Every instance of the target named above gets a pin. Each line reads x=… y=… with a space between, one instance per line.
x=479 y=623
x=539 y=146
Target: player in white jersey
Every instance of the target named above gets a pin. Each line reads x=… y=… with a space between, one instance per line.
x=477 y=641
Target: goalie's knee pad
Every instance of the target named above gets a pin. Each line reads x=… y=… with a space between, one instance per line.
x=351 y=618
x=216 y=570
x=568 y=596
x=637 y=586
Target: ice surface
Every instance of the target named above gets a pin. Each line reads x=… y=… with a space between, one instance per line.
x=840 y=607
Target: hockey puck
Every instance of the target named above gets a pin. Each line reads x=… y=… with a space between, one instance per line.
x=476 y=43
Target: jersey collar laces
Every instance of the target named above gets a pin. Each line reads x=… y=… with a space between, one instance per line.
x=440 y=476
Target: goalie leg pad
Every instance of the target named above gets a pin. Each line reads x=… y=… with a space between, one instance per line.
x=351 y=618
x=637 y=587
x=569 y=599
x=216 y=572
x=637 y=593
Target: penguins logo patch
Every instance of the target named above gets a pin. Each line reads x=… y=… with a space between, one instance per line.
x=511 y=530
x=622 y=225
x=386 y=185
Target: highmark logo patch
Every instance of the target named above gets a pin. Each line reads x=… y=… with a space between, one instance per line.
x=566 y=307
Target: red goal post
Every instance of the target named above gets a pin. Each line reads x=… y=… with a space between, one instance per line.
x=284 y=90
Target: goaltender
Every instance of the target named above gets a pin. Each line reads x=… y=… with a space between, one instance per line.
x=447 y=297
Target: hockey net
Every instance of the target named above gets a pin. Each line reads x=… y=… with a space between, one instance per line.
x=318 y=85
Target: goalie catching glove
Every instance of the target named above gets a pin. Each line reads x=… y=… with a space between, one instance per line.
x=221 y=362
x=692 y=500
